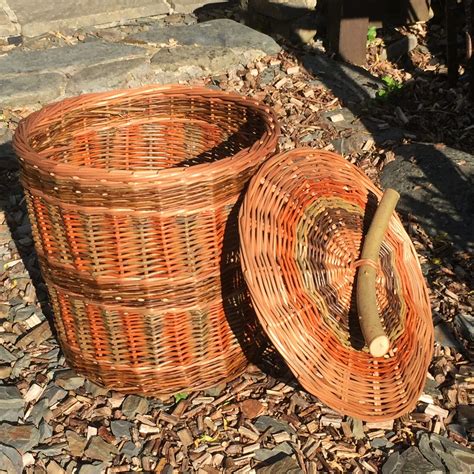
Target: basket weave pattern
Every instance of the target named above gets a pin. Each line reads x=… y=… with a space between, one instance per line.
x=129 y=194
x=301 y=226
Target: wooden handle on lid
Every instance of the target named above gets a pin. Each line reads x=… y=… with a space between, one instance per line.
x=370 y=323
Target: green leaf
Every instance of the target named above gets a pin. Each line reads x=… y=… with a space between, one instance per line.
x=391 y=86
x=371 y=34
x=180 y=396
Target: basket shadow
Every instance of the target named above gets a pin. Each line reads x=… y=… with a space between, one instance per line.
x=13 y=204
x=239 y=310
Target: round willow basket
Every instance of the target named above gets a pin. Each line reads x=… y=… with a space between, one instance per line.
x=132 y=199
x=302 y=224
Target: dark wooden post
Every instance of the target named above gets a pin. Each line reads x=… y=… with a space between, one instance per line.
x=347 y=32
x=452 y=47
x=471 y=58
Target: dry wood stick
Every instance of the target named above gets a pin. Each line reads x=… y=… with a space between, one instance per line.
x=370 y=323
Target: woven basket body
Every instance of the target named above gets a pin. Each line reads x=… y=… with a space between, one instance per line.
x=301 y=225
x=131 y=197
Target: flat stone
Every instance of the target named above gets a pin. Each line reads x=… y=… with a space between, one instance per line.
x=281 y=9
x=24 y=313
x=11 y=403
x=134 y=404
x=121 y=428
x=222 y=33
x=393 y=464
x=7 y=26
x=52 y=450
x=31 y=89
x=400 y=48
x=68 y=59
x=6 y=356
x=284 y=465
x=21 y=437
x=427 y=451
x=77 y=443
x=94 y=389
x=46 y=431
x=21 y=364
x=216 y=390
x=414 y=461
x=100 y=449
x=36 y=336
x=68 y=379
x=189 y=6
x=436 y=185
x=130 y=449
x=11 y=460
x=40 y=411
x=54 y=394
x=267 y=454
x=379 y=443
x=465 y=325
x=351 y=84
x=94 y=468
x=461 y=453
x=36 y=18
x=116 y=75
x=445 y=337
x=265 y=422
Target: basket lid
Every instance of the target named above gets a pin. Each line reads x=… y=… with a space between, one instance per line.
x=302 y=224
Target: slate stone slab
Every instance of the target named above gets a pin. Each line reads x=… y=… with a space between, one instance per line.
x=36 y=17
x=10 y=460
x=11 y=403
x=187 y=62
x=285 y=465
x=7 y=27
x=265 y=422
x=67 y=59
x=189 y=6
x=349 y=83
x=30 y=89
x=21 y=437
x=119 y=74
x=436 y=187
x=221 y=33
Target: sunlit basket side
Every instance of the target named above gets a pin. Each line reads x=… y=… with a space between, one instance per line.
x=132 y=197
x=302 y=224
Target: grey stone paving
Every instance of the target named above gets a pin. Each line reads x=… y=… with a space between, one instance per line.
x=27 y=90
x=68 y=59
x=221 y=33
x=7 y=27
x=352 y=84
x=437 y=188
x=160 y=55
x=36 y=17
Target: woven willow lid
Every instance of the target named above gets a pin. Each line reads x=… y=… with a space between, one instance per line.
x=302 y=224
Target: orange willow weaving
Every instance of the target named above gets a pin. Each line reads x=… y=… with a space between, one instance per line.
x=301 y=228
x=132 y=195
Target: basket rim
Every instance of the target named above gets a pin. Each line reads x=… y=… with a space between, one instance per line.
x=267 y=143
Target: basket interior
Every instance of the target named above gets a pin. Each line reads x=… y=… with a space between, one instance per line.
x=150 y=133
x=328 y=244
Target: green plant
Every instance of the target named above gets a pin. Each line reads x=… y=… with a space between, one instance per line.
x=371 y=34
x=180 y=396
x=391 y=86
